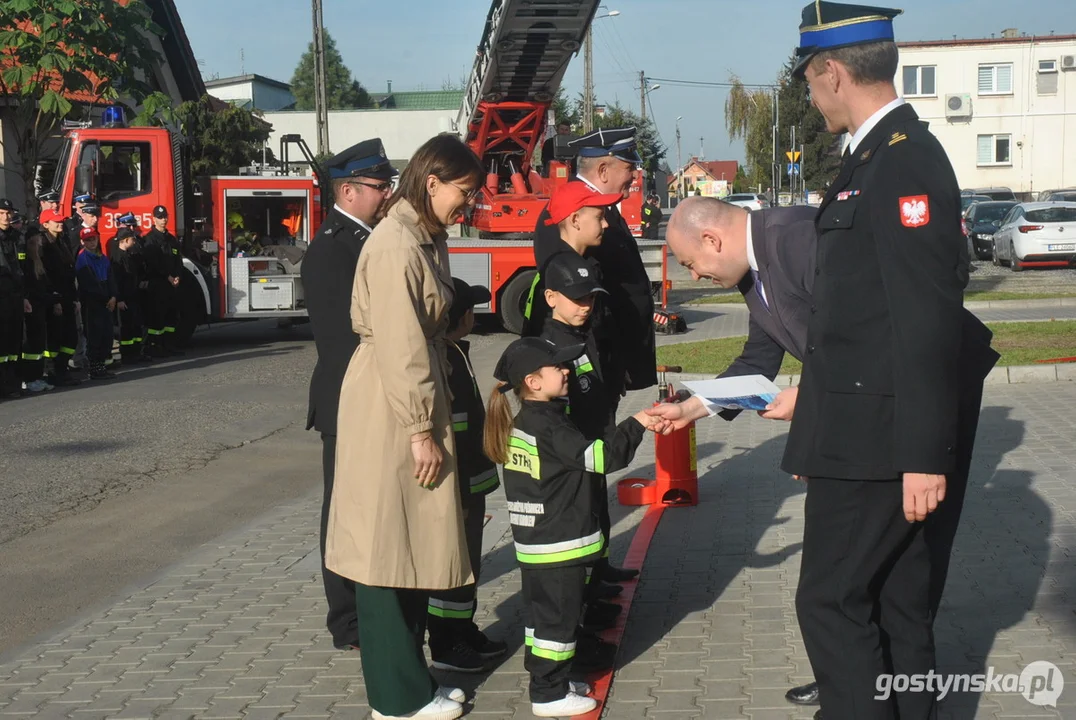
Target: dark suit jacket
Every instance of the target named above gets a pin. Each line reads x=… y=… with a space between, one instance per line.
x=328 y=272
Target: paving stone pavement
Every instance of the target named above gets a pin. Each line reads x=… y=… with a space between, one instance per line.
x=237 y=630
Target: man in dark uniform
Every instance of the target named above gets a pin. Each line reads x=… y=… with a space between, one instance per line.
x=163 y=264
x=13 y=302
x=48 y=200
x=362 y=182
x=652 y=217
x=74 y=223
x=889 y=400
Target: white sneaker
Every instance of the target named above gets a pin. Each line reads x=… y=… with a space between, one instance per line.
x=568 y=706
x=454 y=694
x=36 y=386
x=579 y=688
x=440 y=708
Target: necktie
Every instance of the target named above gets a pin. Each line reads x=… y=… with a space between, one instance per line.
x=847 y=152
x=758 y=288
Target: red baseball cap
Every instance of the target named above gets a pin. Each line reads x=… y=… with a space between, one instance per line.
x=88 y=232
x=575 y=195
x=50 y=216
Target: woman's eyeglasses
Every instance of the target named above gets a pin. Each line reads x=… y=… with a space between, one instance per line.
x=468 y=195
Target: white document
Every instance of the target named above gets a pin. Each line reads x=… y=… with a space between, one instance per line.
x=747 y=392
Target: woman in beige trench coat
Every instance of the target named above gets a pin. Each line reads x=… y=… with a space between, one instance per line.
x=395 y=519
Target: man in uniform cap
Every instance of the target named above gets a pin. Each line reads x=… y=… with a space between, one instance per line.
x=889 y=400
x=73 y=224
x=48 y=200
x=361 y=181
x=163 y=263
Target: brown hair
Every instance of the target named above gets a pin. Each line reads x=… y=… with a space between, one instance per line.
x=447 y=158
x=499 y=422
x=867 y=64
x=33 y=251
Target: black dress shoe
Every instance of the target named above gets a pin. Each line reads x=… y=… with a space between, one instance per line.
x=618 y=575
x=607 y=591
x=803 y=695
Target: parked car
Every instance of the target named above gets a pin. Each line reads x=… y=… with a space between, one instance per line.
x=1036 y=235
x=994 y=193
x=966 y=201
x=751 y=201
x=1065 y=196
x=979 y=226
x=1044 y=196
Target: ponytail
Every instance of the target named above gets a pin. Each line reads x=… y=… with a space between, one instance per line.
x=499 y=423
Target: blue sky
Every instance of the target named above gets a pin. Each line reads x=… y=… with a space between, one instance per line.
x=418 y=44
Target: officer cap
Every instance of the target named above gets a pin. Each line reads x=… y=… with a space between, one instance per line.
x=366 y=159
x=830 y=25
x=16 y=217
x=5 y=204
x=49 y=196
x=92 y=209
x=127 y=219
x=160 y=212
x=618 y=142
x=529 y=355
x=466 y=298
x=571 y=275
x=83 y=198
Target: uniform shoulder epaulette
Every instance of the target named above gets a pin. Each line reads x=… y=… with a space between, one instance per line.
x=896 y=138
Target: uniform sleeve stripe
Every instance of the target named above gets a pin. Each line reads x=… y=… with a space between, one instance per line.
x=525 y=437
x=594 y=457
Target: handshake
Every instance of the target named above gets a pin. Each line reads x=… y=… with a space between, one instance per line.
x=683 y=409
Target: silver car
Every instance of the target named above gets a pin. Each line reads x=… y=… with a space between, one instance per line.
x=1036 y=234
x=751 y=201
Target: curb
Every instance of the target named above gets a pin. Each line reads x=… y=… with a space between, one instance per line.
x=1010 y=375
x=1020 y=304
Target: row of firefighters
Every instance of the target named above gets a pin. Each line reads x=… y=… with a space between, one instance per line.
x=64 y=291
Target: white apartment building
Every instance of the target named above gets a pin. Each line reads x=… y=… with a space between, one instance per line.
x=1004 y=109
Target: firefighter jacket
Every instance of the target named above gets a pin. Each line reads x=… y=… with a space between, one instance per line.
x=551 y=503
x=590 y=407
x=477 y=474
x=128 y=270
x=59 y=264
x=12 y=252
x=162 y=256
x=72 y=229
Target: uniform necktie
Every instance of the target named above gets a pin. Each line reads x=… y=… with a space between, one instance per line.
x=758 y=287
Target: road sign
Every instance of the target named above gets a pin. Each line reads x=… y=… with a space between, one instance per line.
x=794 y=169
x=793 y=156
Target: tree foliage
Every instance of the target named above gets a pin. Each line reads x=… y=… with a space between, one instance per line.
x=821 y=153
x=749 y=117
x=51 y=50
x=342 y=92
x=221 y=140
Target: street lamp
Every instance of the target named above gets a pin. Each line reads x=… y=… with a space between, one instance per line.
x=588 y=73
x=645 y=91
x=679 y=162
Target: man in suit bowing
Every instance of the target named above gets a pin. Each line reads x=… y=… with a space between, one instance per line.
x=361 y=183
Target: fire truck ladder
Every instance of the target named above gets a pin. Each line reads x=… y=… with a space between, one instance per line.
x=520 y=62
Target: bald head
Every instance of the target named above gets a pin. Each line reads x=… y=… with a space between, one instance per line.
x=709 y=238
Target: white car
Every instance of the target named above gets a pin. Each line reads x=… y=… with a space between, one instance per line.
x=751 y=201
x=1036 y=234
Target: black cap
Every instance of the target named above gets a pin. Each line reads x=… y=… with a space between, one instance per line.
x=366 y=159
x=829 y=25
x=125 y=232
x=5 y=204
x=466 y=298
x=160 y=212
x=618 y=142
x=92 y=208
x=49 y=196
x=16 y=217
x=529 y=355
x=572 y=275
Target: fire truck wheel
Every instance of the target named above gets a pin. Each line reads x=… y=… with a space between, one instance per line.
x=513 y=301
x=191 y=308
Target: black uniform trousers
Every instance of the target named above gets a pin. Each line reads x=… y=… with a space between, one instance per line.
x=162 y=312
x=342 y=619
x=97 y=320
x=34 y=347
x=451 y=612
x=552 y=609
x=62 y=338
x=11 y=321
x=132 y=329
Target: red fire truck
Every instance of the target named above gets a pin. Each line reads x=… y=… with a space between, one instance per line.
x=135 y=169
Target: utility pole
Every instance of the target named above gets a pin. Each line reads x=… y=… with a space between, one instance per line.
x=642 y=95
x=702 y=149
x=321 y=110
x=679 y=165
x=588 y=81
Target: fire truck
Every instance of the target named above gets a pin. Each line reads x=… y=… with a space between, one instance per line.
x=217 y=218
x=520 y=63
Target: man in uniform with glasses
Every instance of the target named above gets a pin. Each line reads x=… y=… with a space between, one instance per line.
x=361 y=181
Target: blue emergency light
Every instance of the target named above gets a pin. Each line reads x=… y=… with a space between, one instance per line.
x=113 y=117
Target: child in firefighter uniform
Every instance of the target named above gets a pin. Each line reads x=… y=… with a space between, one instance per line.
x=456 y=643
x=127 y=267
x=97 y=293
x=547 y=465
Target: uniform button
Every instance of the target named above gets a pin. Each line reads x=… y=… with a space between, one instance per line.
x=813 y=309
x=810 y=349
x=818 y=271
x=858 y=384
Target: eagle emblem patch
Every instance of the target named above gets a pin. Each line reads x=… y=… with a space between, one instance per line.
x=915 y=211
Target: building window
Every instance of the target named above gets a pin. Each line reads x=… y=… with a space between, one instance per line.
x=1047 y=77
x=919 y=81
x=994 y=150
x=995 y=79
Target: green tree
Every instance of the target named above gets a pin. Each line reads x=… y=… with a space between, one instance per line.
x=568 y=110
x=821 y=149
x=749 y=117
x=51 y=49
x=341 y=91
x=221 y=140
x=651 y=149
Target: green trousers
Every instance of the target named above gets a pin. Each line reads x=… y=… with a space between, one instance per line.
x=392 y=631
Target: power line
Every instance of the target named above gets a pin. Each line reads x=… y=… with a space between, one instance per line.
x=701 y=83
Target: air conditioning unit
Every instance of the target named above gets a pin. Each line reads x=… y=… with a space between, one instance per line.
x=1068 y=62
x=958 y=106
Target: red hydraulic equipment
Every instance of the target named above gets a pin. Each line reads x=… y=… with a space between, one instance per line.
x=676 y=476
